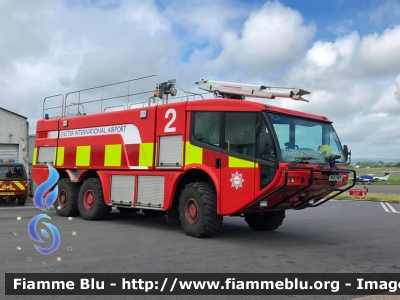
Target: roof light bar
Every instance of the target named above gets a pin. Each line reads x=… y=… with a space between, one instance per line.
x=7 y=160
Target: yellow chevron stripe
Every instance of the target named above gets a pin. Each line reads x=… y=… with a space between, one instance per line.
x=20 y=185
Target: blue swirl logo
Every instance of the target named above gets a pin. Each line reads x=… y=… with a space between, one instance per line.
x=49 y=200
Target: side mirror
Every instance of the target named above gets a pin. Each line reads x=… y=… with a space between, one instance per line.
x=347 y=153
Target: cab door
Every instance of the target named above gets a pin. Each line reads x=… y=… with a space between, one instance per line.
x=204 y=148
x=238 y=160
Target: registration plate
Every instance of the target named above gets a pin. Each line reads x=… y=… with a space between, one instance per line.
x=7 y=194
x=336 y=178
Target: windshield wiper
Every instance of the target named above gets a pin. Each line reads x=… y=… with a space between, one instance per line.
x=304 y=160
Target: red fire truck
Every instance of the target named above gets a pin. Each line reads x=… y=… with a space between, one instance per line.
x=194 y=161
x=13 y=181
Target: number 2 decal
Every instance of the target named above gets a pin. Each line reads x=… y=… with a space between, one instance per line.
x=168 y=127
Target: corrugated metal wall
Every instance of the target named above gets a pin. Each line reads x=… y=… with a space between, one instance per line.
x=9 y=151
x=31 y=145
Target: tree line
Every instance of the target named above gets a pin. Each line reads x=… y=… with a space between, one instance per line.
x=376 y=164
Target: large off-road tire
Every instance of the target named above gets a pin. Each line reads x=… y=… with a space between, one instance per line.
x=91 y=200
x=151 y=213
x=66 y=204
x=267 y=221
x=127 y=210
x=21 y=200
x=198 y=210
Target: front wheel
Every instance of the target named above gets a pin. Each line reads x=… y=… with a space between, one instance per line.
x=267 y=221
x=198 y=210
x=91 y=200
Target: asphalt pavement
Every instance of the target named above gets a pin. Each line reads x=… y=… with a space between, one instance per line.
x=381 y=188
x=339 y=236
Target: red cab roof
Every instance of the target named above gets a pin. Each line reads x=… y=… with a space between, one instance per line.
x=219 y=104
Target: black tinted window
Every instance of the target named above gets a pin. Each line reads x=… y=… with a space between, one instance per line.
x=12 y=173
x=207 y=127
x=240 y=132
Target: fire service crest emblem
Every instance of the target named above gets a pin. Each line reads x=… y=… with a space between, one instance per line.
x=236 y=180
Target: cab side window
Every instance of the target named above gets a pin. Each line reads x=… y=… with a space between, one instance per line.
x=240 y=133
x=207 y=127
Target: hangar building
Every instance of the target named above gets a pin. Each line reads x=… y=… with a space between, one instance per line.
x=14 y=132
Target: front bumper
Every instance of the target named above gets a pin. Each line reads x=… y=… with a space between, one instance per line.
x=317 y=191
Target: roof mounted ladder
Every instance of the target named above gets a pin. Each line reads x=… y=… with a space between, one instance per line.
x=240 y=91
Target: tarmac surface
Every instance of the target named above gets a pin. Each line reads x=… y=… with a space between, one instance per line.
x=339 y=236
x=380 y=189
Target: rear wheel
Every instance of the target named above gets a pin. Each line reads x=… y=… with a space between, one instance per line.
x=91 y=200
x=198 y=210
x=267 y=221
x=67 y=199
x=21 y=200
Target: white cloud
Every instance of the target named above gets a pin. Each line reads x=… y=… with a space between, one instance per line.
x=326 y=59
x=380 y=53
x=205 y=21
x=397 y=85
x=272 y=36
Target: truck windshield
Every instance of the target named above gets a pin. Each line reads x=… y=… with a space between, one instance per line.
x=12 y=173
x=305 y=139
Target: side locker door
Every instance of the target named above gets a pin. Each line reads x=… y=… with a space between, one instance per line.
x=238 y=160
x=170 y=136
x=170 y=133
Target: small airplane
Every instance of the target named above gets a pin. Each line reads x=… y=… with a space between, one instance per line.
x=370 y=178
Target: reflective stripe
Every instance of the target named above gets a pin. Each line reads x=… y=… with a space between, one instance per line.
x=146 y=155
x=112 y=155
x=20 y=185
x=240 y=163
x=4 y=187
x=83 y=156
x=9 y=187
x=193 y=154
x=60 y=156
x=34 y=156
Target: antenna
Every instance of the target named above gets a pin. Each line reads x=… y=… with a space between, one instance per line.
x=240 y=91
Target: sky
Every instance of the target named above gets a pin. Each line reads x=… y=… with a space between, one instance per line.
x=346 y=53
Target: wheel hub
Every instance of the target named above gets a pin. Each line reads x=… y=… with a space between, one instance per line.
x=62 y=198
x=89 y=199
x=192 y=211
